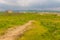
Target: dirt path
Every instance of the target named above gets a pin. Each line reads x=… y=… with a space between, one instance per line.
x=13 y=33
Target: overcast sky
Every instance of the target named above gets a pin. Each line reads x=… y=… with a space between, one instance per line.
x=30 y=4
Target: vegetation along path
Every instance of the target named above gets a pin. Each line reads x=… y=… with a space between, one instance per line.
x=13 y=33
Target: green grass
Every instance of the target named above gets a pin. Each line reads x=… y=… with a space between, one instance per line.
x=46 y=27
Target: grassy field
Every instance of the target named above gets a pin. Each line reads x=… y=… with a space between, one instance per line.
x=46 y=27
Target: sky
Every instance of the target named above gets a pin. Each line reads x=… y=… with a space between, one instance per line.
x=29 y=5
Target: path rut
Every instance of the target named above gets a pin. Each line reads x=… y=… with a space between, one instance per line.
x=13 y=33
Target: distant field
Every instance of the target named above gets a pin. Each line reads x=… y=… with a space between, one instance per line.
x=46 y=27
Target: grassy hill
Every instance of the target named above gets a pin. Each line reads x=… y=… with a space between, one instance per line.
x=46 y=27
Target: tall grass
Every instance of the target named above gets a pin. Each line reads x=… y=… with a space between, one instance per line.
x=47 y=26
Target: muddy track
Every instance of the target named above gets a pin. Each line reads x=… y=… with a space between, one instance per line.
x=13 y=33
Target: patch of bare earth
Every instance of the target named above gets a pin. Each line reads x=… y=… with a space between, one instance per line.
x=13 y=33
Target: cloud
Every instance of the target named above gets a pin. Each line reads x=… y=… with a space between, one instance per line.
x=57 y=0
x=22 y=2
x=2 y=1
x=30 y=4
x=1 y=9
